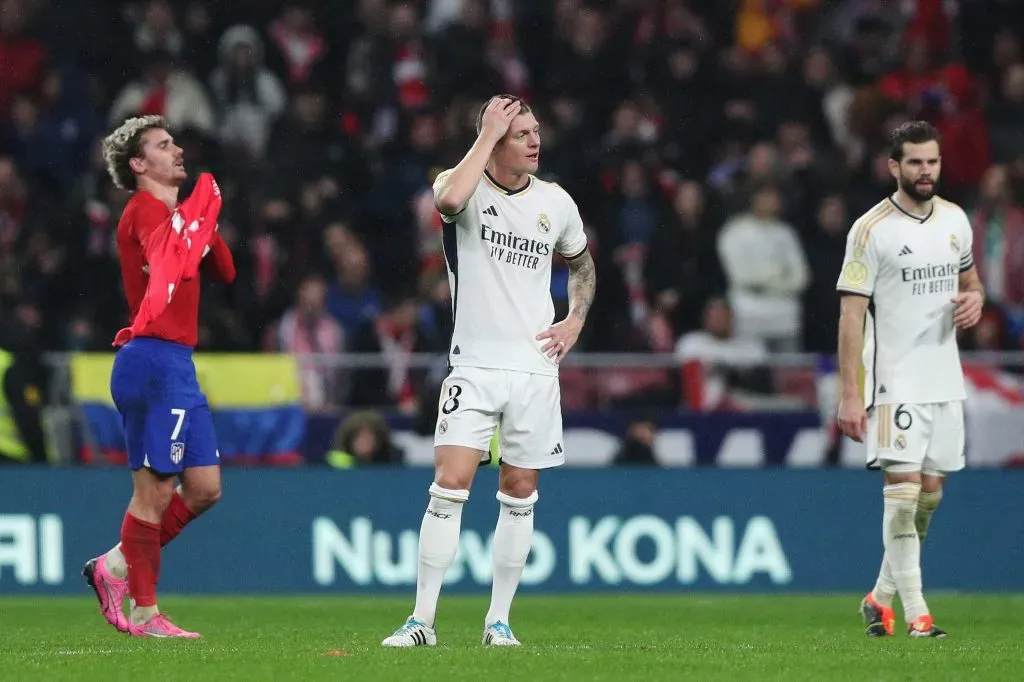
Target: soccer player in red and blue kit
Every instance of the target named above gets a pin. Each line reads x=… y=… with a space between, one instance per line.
x=168 y=427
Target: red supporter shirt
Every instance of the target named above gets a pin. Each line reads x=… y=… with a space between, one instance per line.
x=145 y=216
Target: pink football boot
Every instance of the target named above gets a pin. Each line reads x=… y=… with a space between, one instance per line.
x=161 y=626
x=110 y=592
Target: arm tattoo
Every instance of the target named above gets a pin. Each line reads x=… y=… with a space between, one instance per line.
x=582 y=285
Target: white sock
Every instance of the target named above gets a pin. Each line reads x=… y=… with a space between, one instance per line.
x=902 y=547
x=885 y=586
x=114 y=562
x=142 y=614
x=439 y=541
x=513 y=537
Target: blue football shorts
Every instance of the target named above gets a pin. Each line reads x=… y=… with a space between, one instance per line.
x=167 y=422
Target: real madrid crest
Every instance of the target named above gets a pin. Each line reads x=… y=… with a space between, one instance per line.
x=543 y=224
x=954 y=243
x=901 y=442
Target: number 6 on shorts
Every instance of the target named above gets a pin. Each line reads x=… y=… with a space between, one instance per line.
x=902 y=418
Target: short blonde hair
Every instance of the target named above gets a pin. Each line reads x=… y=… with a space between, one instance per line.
x=524 y=108
x=125 y=144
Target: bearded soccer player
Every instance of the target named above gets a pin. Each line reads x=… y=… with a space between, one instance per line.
x=167 y=422
x=907 y=284
x=501 y=228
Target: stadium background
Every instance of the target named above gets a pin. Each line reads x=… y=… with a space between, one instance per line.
x=699 y=440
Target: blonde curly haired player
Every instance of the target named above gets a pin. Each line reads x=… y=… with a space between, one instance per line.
x=169 y=433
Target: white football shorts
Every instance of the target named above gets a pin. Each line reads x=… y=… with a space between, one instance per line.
x=929 y=436
x=528 y=407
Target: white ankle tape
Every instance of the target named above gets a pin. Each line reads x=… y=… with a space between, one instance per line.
x=904 y=492
x=446 y=494
x=518 y=502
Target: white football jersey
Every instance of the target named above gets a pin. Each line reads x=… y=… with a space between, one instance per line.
x=909 y=266
x=498 y=249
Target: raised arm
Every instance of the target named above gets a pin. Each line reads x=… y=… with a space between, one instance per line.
x=453 y=189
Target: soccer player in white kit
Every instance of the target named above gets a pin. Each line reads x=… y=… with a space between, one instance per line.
x=908 y=283
x=501 y=227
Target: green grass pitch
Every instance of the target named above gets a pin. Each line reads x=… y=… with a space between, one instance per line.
x=607 y=637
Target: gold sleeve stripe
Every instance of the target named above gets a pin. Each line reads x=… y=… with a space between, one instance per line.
x=869 y=221
x=888 y=426
x=884 y=427
x=858 y=225
x=880 y=426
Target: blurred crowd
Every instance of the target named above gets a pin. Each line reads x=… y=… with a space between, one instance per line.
x=718 y=151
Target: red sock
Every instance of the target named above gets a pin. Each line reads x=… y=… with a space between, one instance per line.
x=140 y=544
x=175 y=518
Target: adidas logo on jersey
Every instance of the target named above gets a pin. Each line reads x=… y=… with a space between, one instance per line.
x=490 y=211
x=456 y=351
x=557 y=450
x=906 y=251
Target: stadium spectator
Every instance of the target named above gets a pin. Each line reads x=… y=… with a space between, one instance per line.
x=464 y=41
x=637 y=447
x=201 y=32
x=308 y=331
x=766 y=271
x=363 y=439
x=307 y=143
x=23 y=391
x=998 y=220
x=720 y=367
x=249 y=96
x=825 y=241
x=166 y=89
x=1005 y=114
x=157 y=29
x=946 y=95
x=351 y=298
x=326 y=127
x=435 y=312
x=396 y=334
x=298 y=48
x=682 y=268
x=23 y=58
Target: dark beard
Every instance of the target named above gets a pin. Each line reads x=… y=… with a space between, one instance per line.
x=911 y=190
